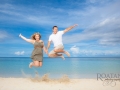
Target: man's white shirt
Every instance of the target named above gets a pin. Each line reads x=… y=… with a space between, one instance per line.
x=56 y=38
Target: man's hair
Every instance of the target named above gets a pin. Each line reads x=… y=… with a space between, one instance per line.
x=54 y=27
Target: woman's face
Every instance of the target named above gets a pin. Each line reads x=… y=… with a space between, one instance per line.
x=37 y=37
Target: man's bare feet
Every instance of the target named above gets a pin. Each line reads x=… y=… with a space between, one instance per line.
x=62 y=57
x=30 y=65
x=67 y=53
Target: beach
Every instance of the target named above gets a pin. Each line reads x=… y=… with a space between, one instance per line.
x=72 y=84
x=74 y=74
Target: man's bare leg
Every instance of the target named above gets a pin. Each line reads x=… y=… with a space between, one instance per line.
x=62 y=51
x=57 y=55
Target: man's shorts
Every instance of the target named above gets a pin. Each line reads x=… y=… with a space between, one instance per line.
x=57 y=47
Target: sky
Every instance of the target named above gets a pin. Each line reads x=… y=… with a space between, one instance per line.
x=97 y=33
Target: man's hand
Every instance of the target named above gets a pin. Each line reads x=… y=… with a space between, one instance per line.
x=48 y=46
x=75 y=25
x=69 y=28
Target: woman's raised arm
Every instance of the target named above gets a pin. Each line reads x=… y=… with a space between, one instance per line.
x=28 y=40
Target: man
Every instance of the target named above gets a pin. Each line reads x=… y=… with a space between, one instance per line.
x=56 y=38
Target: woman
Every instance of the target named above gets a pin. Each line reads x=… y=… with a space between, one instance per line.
x=37 y=54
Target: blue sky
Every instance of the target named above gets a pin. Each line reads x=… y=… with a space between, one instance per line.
x=98 y=33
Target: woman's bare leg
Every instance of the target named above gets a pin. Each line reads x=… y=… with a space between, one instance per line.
x=34 y=63
x=40 y=64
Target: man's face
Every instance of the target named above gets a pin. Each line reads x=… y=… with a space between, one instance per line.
x=55 y=30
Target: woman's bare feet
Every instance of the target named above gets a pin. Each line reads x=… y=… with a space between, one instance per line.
x=30 y=65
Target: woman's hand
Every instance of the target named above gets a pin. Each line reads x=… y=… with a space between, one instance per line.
x=45 y=51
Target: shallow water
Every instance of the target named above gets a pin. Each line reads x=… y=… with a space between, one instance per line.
x=56 y=67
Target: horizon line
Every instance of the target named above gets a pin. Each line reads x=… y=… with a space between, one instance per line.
x=65 y=57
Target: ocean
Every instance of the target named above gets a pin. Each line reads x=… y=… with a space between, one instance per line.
x=75 y=68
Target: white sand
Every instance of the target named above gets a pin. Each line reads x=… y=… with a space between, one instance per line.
x=73 y=84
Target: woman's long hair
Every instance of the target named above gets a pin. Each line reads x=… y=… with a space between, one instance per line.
x=33 y=36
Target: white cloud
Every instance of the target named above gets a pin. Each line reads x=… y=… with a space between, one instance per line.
x=6 y=37
x=97 y=1
x=46 y=15
x=99 y=23
x=74 y=50
x=91 y=52
x=106 y=32
x=43 y=16
x=19 y=53
x=3 y=34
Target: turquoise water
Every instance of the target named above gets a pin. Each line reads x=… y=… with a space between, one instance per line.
x=56 y=67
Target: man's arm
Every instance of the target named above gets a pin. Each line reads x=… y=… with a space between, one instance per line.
x=69 y=28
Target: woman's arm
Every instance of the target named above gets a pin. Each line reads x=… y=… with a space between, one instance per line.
x=28 y=40
x=44 y=48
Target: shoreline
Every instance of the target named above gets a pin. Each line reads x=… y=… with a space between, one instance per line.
x=47 y=84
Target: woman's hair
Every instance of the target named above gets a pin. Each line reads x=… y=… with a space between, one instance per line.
x=33 y=36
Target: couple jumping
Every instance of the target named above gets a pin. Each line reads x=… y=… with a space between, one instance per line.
x=55 y=37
